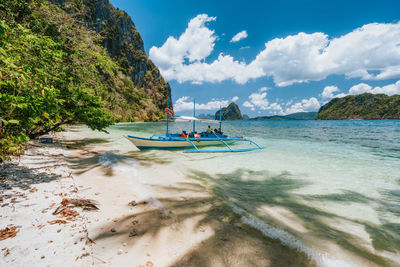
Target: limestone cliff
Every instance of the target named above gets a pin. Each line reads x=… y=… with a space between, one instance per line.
x=232 y=112
x=123 y=43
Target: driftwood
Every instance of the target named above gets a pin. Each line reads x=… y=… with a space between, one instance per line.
x=85 y=204
x=9 y=232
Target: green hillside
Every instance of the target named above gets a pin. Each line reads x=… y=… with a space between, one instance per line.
x=364 y=106
x=55 y=71
x=293 y=116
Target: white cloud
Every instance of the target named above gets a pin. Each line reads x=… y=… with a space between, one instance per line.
x=371 y=52
x=359 y=89
x=276 y=108
x=304 y=105
x=235 y=98
x=263 y=89
x=340 y=95
x=183 y=104
x=239 y=36
x=259 y=100
x=390 y=89
x=328 y=91
x=196 y=43
x=247 y=104
x=244 y=47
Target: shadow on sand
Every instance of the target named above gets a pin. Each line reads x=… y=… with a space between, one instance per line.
x=235 y=243
x=14 y=175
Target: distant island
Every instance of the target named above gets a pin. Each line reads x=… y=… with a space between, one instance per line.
x=204 y=116
x=363 y=106
x=293 y=116
x=231 y=112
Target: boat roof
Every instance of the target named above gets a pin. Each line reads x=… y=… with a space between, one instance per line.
x=189 y=118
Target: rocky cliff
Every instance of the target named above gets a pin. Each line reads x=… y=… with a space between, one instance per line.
x=123 y=43
x=232 y=112
x=364 y=106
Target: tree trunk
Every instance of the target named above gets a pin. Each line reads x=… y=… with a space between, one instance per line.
x=45 y=131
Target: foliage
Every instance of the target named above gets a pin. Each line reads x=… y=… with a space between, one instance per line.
x=293 y=116
x=364 y=106
x=52 y=73
x=124 y=44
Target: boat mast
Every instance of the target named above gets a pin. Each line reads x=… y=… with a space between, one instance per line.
x=220 y=118
x=194 y=115
x=166 y=134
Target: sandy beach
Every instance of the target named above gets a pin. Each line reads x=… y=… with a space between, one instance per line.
x=178 y=224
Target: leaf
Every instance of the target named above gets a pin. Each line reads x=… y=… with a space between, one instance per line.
x=13 y=121
x=46 y=115
x=12 y=149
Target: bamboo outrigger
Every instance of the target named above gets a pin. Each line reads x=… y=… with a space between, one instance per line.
x=192 y=140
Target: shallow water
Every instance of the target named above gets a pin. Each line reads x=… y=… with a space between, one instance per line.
x=330 y=189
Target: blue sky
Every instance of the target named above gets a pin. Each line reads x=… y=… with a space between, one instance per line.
x=293 y=56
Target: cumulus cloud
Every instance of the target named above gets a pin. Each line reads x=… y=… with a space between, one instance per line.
x=360 y=89
x=390 y=89
x=196 y=43
x=304 y=105
x=304 y=57
x=259 y=100
x=328 y=91
x=371 y=52
x=263 y=89
x=235 y=98
x=184 y=103
x=239 y=36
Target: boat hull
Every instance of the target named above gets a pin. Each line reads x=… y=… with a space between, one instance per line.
x=175 y=143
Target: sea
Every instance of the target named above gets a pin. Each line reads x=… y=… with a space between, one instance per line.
x=329 y=189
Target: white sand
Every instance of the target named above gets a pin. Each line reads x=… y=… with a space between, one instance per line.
x=38 y=243
x=175 y=222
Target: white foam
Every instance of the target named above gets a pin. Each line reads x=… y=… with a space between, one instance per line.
x=287 y=239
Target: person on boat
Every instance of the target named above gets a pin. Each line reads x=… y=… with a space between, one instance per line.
x=183 y=134
x=209 y=130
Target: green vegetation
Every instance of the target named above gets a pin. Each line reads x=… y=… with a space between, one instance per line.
x=54 y=71
x=293 y=116
x=231 y=112
x=364 y=106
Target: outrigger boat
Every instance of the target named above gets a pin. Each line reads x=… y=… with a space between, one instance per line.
x=193 y=139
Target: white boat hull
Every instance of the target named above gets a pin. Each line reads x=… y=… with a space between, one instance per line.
x=145 y=143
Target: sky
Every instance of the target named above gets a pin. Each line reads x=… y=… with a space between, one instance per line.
x=270 y=57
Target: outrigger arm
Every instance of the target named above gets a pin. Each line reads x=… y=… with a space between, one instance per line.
x=196 y=150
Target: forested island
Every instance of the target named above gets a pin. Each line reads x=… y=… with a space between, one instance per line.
x=293 y=116
x=363 y=106
x=231 y=112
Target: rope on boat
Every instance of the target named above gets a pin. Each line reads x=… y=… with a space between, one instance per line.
x=221 y=140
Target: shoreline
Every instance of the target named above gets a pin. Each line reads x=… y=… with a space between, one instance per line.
x=180 y=225
x=151 y=213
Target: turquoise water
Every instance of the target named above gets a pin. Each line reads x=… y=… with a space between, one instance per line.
x=330 y=189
